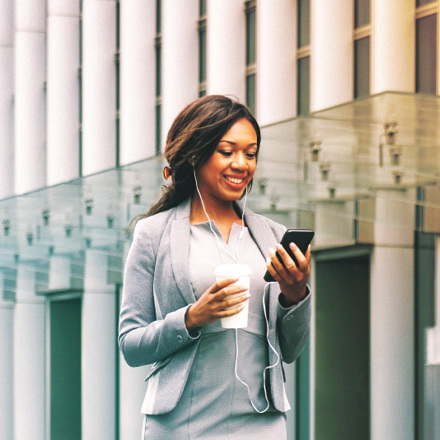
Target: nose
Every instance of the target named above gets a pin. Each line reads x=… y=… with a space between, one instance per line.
x=239 y=162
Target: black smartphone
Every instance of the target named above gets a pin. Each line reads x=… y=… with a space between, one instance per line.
x=301 y=237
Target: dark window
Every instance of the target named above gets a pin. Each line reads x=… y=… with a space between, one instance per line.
x=303 y=23
x=250 y=55
x=361 y=13
x=202 y=7
x=158 y=46
x=202 y=48
x=362 y=67
x=426 y=54
x=303 y=85
x=250 y=92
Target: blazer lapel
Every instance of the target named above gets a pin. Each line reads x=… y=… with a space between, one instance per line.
x=179 y=251
x=265 y=239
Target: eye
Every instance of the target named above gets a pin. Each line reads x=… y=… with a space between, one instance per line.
x=251 y=155
x=225 y=153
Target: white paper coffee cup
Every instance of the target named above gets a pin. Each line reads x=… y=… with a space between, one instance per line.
x=242 y=272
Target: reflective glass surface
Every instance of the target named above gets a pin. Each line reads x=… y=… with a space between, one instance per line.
x=328 y=171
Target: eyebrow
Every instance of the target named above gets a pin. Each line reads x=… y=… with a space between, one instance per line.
x=234 y=143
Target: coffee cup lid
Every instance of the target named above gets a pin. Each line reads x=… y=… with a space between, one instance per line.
x=232 y=270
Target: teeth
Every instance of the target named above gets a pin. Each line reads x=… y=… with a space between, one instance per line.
x=233 y=180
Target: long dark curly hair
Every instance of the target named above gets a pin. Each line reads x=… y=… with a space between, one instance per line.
x=192 y=139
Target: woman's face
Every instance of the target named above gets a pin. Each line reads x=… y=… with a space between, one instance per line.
x=231 y=167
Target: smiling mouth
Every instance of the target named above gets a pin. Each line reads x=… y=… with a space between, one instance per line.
x=234 y=180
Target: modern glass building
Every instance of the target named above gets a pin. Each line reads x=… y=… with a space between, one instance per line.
x=347 y=93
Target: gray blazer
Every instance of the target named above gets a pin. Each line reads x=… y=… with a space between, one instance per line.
x=157 y=292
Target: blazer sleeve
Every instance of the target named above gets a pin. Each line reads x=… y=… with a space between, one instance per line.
x=294 y=328
x=144 y=337
x=293 y=323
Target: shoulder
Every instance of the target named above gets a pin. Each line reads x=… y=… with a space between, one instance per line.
x=154 y=225
x=265 y=222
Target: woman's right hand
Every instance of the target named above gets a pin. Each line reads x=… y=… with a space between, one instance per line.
x=215 y=302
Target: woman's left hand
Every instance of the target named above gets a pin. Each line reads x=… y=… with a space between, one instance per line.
x=292 y=278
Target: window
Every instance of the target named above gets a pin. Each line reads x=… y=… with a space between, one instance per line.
x=303 y=57
x=361 y=13
x=158 y=48
x=250 y=11
x=362 y=67
x=426 y=48
x=361 y=47
x=202 y=47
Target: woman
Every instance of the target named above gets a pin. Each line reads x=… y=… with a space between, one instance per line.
x=208 y=382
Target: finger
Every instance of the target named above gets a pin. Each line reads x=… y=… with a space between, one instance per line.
x=271 y=269
x=277 y=265
x=300 y=257
x=289 y=263
x=230 y=312
x=230 y=290
x=236 y=300
x=222 y=284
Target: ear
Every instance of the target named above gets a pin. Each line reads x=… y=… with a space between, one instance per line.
x=191 y=161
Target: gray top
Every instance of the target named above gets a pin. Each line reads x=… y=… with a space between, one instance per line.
x=157 y=292
x=214 y=403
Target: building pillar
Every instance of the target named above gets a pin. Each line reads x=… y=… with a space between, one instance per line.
x=392 y=46
x=392 y=319
x=132 y=388
x=6 y=98
x=98 y=86
x=137 y=80
x=179 y=58
x=276 y=61
x=6 y=365
x=63 y=41
x=30 y=110
x=226 y=46
x=99 y=348
x=29 y=359
x=331 y=62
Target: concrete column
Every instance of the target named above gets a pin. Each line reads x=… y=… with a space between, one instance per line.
x=226 y=48
x=276 y=61
x=59 y=273
x=62 y=91
x=132 y=389
x=331 y=42
x=6 y=365
x=99 y=86
x=6 y=98
x=433 y=334
x=392 y=46
x=392 y=319
x=29 y=359
x=137 y=80
x=98 y=350
x=180 y=59
x=30 y=75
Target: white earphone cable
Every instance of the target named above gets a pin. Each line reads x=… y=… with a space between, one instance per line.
x=263 y=301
